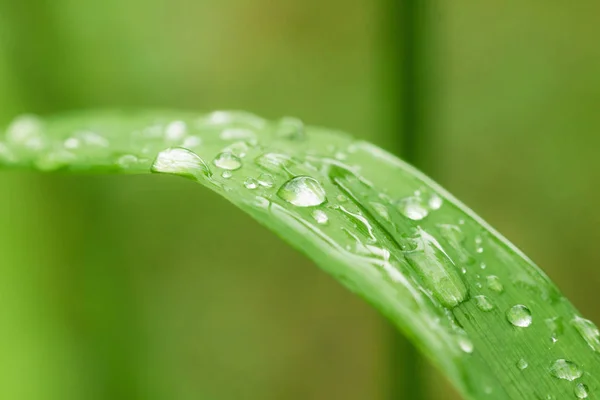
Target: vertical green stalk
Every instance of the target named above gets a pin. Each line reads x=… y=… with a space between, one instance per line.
x=404 y=89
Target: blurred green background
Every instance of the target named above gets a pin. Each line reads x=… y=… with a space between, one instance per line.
x=150 y=288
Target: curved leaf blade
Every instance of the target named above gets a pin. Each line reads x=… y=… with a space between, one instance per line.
x=470 y=300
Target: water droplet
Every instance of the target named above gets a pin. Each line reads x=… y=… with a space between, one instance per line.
x=522 y=364
x=127 y=161
x=320 y=217
x=265 y=180
x=436 y=268
x=563 y=369
x=556 y=327
x=340 y=156
x=483 y=266
x=290 y=128
x=588 y=331
x=435 y=202
x=274 y=162
x=483 y=303
x=71 y=143
x=581 y=391
x=412 y=208
x=341 y=198
x=465 y=344
x=226 y=174
x=228 y=161
x=251 y=183
x=381 y=210
x=302 y=191
x=175 y=131
x=180 y=161
x=494 y=284
x=92 y=139
x=479 y=250
x=519 y=316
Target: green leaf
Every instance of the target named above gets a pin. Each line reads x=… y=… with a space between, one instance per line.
x=470 y=300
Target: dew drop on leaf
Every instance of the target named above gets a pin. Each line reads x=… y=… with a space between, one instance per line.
x=522 y=364
x=226 y=174
x=435 y=202
x=180 y=161
x=251 y=183
x=581 y=391
x=290 y=128
x=519 y=316
x=563 y=369
x=588 y=331
x=265 y=180
x=483 y=303
x=228 y=161
x=494 y=284
x=302 y=191
x=320 y=216
x=412 y=208
x=175 y=131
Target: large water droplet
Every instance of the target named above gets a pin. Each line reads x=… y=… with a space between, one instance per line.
x=581 y=391
x=563 y=369
x=412 y=208
x=588 y=331
x=436 y=268
x=320 y=216
x=180 y=161
x=302 y=191
x=522 y=364
x=483 y=303
x=494 y=284
x=228 y=161
x=519 y=316
x=290 y=128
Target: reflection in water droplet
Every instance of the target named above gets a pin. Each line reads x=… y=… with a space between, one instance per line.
x=180 y=161
x=494 y=284
x=250 y=183
x=302 y=191
x=265 y=180
x=435 y=202
x=320 y=216
x=290 y=128
x=226 y=174
x=522 y=364
x=581 y=391
x=412 y=208
x=483 y=303
x=563 y=369
x=588 y=331
x=519 y=316
x=228 y=161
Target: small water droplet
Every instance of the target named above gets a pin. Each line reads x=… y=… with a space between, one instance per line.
x=381 y=210
x=412 y=208
x=494 y=284
x=265 y=180
x=564 y=369
x=483 y=266
x=26 y=132
x=465 y=344
x=341 y=198
x=180 y=161
x=588 y=331
x=251 y=183
x=581 y=391
x=290 y=128
x=320 y=216
x=237 y=134
x=435 y=202
x=522 y=364
x=556 y=327
x=228 y=161
x=483 y=303
x=302 y=191
x=175 y=131
x=479 y=250
x=226 y=174
x=519 y=316
x=92 y=139
x=71 y=143
x=340 y=156
x=274 y=162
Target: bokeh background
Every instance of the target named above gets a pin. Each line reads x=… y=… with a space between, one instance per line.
x=152 y=288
